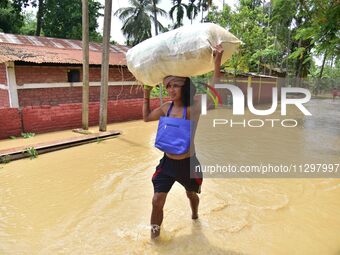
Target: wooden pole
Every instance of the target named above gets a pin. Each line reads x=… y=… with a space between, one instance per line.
x=259 y=92
x=105 y=66
x=85 y=35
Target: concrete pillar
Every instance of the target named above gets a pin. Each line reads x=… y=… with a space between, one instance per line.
x=12 y=85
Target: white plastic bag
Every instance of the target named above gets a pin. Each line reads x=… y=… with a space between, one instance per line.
x=185 y=51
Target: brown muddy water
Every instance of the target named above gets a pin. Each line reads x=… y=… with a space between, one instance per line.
x=96 y=198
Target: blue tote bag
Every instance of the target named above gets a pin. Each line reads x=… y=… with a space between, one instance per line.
x=174 y=134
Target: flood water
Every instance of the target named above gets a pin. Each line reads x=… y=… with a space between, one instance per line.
x=96 y=198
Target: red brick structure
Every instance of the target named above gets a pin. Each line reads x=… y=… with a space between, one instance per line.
x=41 y=84
x=57 y=90
x=4 y=100
x=28 y=73
x=46 y=118
x=10 y=122
x=3 y=78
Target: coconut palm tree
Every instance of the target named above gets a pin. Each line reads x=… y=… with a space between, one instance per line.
x=192 y=10
x=137 y=19
x=154 y=5
x=180 y=8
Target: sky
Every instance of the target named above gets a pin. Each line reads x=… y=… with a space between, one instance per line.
x=166 y=5
x=116 y=24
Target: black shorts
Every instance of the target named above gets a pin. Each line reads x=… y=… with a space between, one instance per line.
x=170 y=170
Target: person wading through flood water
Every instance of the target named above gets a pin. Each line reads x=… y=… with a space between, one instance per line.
x=176 y=167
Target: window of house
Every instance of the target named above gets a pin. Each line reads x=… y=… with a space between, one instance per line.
x=73 y=75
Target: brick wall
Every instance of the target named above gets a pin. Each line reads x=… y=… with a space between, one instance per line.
x=41 y=119
x=53 y=74
x=55 y=96
x=3 y=77
x=242 y=82
x=115 y=74
x=10 y=122
x=4 y=100
x=46 y=118
x=66 y=95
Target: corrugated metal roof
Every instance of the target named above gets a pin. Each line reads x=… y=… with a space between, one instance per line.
x=37 y=49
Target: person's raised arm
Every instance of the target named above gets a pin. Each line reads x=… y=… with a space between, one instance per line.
x=149 y=115
x=217 y=53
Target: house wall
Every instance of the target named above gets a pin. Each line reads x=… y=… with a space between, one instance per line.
x=4 y=100
x=10 y=122
x=3 y=78
x=48 y=85
x=40 y=119
x=53 y=74
x=67 y=95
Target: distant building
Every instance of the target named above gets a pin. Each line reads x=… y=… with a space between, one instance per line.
x=262 y=85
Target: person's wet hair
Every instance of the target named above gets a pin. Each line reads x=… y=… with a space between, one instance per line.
x=188 y=92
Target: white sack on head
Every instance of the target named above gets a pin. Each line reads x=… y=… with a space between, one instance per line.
x=185 y=51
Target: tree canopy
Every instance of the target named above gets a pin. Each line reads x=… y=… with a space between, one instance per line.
x=284 y=35
x=137 y=20
x=64 y=19
x=54 y=18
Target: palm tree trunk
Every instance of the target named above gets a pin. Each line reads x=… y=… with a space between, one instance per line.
x=155 y=17
x=323 y=64
x=156 y=33
x=333 y=61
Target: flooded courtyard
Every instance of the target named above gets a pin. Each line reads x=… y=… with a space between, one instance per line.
x=96 y=198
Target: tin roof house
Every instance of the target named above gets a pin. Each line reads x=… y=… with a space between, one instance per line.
x=41 y=73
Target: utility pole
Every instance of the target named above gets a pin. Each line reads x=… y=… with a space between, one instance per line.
x=85 y=35
x=105 y=66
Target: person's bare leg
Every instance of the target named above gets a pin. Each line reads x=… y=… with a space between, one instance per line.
x=194 y=201
x=158 y=202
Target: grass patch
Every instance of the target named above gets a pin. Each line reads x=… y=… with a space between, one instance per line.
x=5 y=159
x=32 y=152
x=27 y=135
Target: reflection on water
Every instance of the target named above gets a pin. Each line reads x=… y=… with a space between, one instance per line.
x=96 y=198
x=315 y=139
x=326 y=116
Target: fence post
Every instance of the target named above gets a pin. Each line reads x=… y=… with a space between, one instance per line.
x=260 y=88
